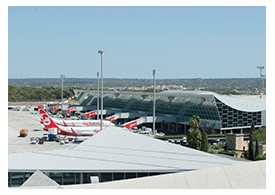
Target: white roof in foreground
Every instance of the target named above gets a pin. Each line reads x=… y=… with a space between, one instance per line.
x=40 y=179
x=238 y=176
x=117 y=150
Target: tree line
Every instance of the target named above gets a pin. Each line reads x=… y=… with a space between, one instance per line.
x=45 y=93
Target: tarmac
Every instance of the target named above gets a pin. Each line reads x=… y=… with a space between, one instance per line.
x=29 y=120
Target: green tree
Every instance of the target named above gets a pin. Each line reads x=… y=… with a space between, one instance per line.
x=195 y=122
x=194 y=136
x=204 y=142
x=251 y=149
x=24 y=93
x=256 y=136
x=257 y=152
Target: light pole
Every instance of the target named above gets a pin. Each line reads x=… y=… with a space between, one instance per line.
x=101 y=114
x=97 y=106
x=62 y=77
x=261 y=77
x=154 y=102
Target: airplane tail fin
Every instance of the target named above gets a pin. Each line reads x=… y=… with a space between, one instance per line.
x=49 y=123
x=42 y=111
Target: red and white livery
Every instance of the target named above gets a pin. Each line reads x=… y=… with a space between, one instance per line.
x=74 y=123
x=69 y=131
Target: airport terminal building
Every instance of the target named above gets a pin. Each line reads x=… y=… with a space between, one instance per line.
x=117 y=153
x=218 y=113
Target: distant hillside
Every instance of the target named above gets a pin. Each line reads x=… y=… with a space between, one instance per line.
x=219 y=85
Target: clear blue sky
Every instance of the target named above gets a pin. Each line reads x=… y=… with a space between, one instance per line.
x=179 y=42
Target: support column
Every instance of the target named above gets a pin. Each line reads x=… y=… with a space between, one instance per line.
x=81 y=178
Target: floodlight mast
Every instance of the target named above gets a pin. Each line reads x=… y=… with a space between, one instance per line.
x=62 y=78
x=261 y=77
x=154 y=102
x=97 y=105
x=101 y=114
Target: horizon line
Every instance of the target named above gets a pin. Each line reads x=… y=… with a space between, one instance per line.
x=140 y=78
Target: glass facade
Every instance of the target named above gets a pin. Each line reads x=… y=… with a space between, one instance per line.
x=17 y=179
x=231 y=117
x=205 y=106
x=214 y=114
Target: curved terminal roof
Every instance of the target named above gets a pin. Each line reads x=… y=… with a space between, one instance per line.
x=248 y=103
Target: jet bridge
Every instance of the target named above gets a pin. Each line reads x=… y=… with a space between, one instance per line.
x=118 y=116
x=141 y=120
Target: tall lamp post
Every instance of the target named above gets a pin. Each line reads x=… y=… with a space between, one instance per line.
x=261 y=77
x=97 y=106
x=154 y=102
x=62 y=77
x=101 y=114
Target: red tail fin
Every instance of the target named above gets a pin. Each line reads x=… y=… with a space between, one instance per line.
x=42 y=112
x=89 y=114
x=49 y=123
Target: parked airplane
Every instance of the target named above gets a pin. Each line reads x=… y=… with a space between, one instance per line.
x=69 y=131
x=74 y=123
